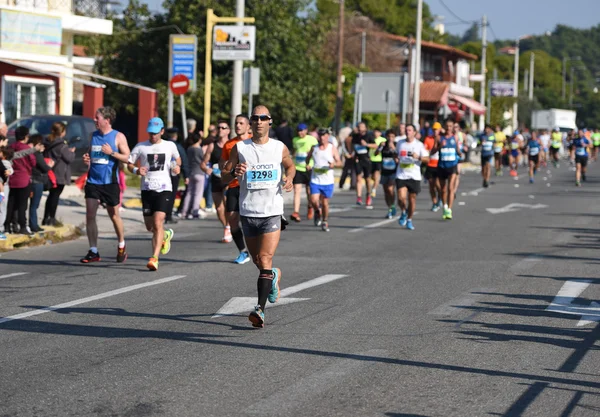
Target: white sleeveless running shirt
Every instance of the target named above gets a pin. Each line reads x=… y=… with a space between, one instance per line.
x=261 y=194
x=321 y=173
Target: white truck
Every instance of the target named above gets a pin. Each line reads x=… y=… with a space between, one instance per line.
x=553 y=118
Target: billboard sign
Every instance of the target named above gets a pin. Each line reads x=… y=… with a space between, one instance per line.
x=30 y=32
x=232 y=43
x=502 y=88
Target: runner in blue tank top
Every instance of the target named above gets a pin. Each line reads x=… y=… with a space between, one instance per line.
x=487 y=153
x=108 y=148
x=449 y=156
x=534 y=146
x=581 y=145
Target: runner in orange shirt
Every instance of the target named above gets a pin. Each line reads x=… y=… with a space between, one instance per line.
x=435 y=191
x=232 y=202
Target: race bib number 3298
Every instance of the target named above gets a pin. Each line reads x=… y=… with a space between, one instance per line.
x=262 y=176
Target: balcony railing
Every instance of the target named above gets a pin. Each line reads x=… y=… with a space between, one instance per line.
x=90 y=8
x=437 y=76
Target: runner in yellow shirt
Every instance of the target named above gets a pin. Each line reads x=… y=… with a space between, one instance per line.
x=376 y=160
x=302 y=144
x=499 y=143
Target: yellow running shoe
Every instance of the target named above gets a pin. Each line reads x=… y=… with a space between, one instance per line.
x=152 y=264
x=166 y=243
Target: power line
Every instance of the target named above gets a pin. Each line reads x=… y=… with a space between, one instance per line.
x=492 y=31
x=454 y=14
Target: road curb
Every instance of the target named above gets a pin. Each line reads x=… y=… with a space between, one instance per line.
x=49 y=236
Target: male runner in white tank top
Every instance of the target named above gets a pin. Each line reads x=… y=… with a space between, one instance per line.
x=325 y=157
x=257 y=164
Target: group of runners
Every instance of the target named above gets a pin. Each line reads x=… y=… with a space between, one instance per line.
x=534 y=149
x=255 y=169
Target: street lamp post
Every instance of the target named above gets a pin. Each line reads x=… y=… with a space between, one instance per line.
x=564 y=73
x=515 y=119
x=417 y=91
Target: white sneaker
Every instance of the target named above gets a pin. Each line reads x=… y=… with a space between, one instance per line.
x=202 y=214
x=210 y=210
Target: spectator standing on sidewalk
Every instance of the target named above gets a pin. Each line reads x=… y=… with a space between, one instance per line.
x=172 y=134
x=210 y=139
x=20 y=184
x=39 y=181
x=62 y=155
x=191 y=203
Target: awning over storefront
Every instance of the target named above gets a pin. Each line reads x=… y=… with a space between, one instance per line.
x=53 y=70
x=476 y=108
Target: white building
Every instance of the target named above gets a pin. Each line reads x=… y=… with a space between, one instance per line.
x=36 y=53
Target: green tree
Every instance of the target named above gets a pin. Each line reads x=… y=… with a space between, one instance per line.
x=394 y=16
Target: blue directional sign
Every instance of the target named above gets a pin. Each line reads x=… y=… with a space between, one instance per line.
x=183 y=54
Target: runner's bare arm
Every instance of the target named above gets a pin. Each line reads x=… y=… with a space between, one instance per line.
x=204 y=164
x=229 y=166
x=122 y=153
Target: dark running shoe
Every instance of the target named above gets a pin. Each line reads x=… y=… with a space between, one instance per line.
x=122 y=254
x=90 y=257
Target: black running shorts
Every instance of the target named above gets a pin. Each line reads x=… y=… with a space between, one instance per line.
x=109 y=194
x=153 y=201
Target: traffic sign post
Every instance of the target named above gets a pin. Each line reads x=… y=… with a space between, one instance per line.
x=183 y=52
x=251 y=84
x=179 y=85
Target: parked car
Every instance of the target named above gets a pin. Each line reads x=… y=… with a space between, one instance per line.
x=79 y=132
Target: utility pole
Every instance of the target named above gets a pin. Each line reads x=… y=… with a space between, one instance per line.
x=483 y=69
x=564 y=78
x=339 y=98
x=526 y=80
x=531 y=70
x=417 y=94
x=363 y=49
x=515 y=119
x=238 y=68
x=571 y=88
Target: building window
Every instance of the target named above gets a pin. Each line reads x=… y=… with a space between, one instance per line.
x=23 y=96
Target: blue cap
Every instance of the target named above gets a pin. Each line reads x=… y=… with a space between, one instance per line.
x=516 y=132
x=155 y=125
x=302 y=126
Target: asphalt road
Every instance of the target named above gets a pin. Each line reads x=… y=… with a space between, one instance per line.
x=452 y=319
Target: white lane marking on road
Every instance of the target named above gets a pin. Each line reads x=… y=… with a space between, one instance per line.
x=515 y=207
x=291 y=399
x=312 y=283
x=563 y=302
x=373 y=225
x=461 y=203
x=14 y=274
x=89 y=299
x=340 y=210
x=476 y=192
x=237 y=305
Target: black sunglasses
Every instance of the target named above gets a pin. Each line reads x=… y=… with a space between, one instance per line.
x=261 y=117
x=223 y=127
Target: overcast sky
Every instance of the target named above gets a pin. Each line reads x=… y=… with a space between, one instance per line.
x=509 y=19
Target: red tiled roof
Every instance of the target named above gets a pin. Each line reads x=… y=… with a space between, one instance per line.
x=79 y=50
x=434 y=92
x=424 y=44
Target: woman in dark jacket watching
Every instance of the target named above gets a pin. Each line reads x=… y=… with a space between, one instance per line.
x=39 y=178
x=62 y=155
